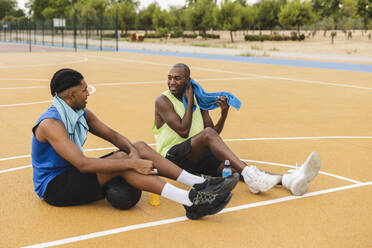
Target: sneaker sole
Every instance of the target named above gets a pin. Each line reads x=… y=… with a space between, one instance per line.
x=312 y=166
x=210 y=211
x=299 y=187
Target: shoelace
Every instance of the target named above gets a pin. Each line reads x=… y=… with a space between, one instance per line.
x=203 y=196
x=293 y=170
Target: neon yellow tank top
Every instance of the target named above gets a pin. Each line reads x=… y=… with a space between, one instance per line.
x=166 y=137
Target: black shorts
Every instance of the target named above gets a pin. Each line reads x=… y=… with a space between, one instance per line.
x=208 y=166
x=72 y=187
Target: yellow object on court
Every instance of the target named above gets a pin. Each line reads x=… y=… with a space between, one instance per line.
x=154 y=199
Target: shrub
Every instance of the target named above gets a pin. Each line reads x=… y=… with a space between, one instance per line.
x=275 y=37
x=213 y=36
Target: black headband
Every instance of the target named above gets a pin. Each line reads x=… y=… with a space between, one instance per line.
x=64 y=79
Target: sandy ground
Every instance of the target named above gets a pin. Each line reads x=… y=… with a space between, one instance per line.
x=317 y=47
x=360 y=44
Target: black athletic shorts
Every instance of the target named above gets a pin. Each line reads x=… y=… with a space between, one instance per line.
x=208 y=166
x=72 y=187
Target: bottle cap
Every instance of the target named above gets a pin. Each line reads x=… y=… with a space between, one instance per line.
x=227 y=162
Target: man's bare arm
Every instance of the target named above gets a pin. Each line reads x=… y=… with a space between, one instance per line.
x=222 y=103
x=54 y=132
x=164 y=108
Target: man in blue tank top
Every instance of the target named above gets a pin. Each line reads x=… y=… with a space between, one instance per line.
x=64 y=176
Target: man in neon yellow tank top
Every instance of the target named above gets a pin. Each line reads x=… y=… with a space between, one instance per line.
x=190 y=139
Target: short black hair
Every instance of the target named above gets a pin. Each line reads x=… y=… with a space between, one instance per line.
x=185 y=68
x=64 y=79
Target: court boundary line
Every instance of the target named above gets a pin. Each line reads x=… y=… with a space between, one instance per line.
x=183 y=218
x=239 y=73
x=82 y=60
x=229 y=140
x=113 y=83
x=47 y=101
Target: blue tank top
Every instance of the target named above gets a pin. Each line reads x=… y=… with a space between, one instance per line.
x=46 y=162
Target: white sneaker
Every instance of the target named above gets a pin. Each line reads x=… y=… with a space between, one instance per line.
x=296 y=181
x=259 y=181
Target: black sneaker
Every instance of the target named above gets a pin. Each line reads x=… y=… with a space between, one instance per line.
x=206 y=203
x=218 y=185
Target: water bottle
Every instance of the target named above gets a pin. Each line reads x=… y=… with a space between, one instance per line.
x=226 y=169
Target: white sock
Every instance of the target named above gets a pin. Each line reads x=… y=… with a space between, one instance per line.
x=176 y=194
x=189 y=179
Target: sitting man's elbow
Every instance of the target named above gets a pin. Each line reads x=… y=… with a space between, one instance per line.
x=184 y=134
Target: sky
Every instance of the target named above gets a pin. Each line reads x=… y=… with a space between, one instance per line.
x=164 y=4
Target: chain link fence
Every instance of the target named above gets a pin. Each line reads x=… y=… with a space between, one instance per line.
x=89 y=32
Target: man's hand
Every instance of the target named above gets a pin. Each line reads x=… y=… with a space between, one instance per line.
x=133 y=154
x=189 y=93
x=145 y=167
x=222 y=103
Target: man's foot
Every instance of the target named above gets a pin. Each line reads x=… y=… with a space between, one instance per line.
x=259 y=181
x=206 y=203
x=296 y=181
x=218 y=185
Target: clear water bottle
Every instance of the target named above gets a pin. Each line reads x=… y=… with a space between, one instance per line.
x=226 y=169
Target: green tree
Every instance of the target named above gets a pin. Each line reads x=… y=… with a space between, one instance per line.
x=145 y=17
x=161 y=19
x=202 y=16
x=326 y=8
x=296 y=14
x=268 y=11
x=8 y=8
x=364 y=8
x=179 y=17
x=37 y=7
x=230 y=16
x=249 y=16
x=127 y=14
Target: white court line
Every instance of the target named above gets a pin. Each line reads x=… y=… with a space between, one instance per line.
x=240 y=73
x=25 y=87
x=122 y=83
x=252 y=161
x=246 y=160
x=23 y=104
x=293 y=167
x=32 y=103
x=81 y=60
x=183 y=218
x=232 y=140
x=23 y=79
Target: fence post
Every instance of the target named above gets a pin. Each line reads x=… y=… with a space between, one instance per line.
x=86 y=31
x=116 y=30
x=29 y=34
x=100 y=29
x=63 y=35
x=35 y=28
x=42 y=26
x=10 y=31
x=75 y=29
x=17 y=32
x=52 y=28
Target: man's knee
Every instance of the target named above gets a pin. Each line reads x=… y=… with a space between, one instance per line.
x=141 y=146
x=118 y=155
x=209 y=133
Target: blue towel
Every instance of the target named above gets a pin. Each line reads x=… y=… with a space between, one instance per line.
x=207 y=101
x=74 y=121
